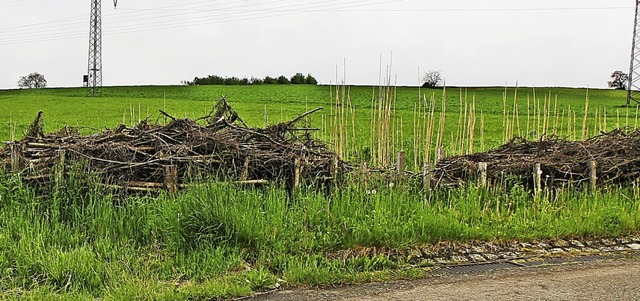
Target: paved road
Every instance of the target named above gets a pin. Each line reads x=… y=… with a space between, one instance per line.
x=601 y=280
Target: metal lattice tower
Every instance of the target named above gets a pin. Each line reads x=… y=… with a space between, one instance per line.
x=633 y=86
x=94 y=79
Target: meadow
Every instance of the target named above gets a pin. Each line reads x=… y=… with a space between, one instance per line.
x=361 y=123
x=221 y=241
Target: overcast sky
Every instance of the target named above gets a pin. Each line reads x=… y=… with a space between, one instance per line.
x=575 y=43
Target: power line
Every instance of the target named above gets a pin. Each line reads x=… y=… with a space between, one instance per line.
x=133 y=23
x=226 y=18
x=11 y=2
x=409 y=10
x=201 y=13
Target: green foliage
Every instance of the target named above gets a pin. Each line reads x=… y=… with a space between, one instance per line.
x=268 y=80
x=222 y=241
x=297 y=79
x=282 y=80
x=310 y=80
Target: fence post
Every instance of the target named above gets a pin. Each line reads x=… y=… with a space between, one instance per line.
x=245 y=170
x=402 y=163
x=171 y=178
x=426 y=177
x=537 y=179
x=297 y=171
x=15 y=157
x=593 y=175
x=482 y=170
x=441 y=154
x=59 y=169
x=332 y=180
x=364 y=170
x=333 y=169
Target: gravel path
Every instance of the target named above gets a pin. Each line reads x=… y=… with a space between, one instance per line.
x=597 y=280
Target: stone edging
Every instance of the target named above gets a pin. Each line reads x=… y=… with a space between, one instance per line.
x=450 y=253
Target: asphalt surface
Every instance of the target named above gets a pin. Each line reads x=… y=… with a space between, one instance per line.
x=594 y=279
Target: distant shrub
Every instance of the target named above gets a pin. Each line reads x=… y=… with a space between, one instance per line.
x=256 y=81
x=283 y=80
x=297 y=79
x=310 y=80
x=268 y=80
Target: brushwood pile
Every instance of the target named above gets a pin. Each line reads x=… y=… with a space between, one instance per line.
x=151 y=156
x=563 y=163
x=183 y=152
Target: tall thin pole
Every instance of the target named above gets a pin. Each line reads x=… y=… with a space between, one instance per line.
x=95 y=50
x=633 y=86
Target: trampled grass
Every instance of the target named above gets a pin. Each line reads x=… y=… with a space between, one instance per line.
x=221 y=241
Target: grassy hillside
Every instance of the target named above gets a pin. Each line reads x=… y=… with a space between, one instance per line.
x=475 y=118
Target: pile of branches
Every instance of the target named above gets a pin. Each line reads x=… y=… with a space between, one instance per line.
x=616 y=155
x=152 y=156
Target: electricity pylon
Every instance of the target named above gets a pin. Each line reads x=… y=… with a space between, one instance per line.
x=94 y=75
x=633 y=85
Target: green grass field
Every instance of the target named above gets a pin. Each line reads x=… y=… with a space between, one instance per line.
x=347 y=126
x=218 y=241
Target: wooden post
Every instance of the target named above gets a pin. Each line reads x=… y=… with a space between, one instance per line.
x=296 y=173
x=15 y=157
x=537 y=179
x=59 y=169
x=402 y=162
x=364 y=170
x=333 y=170
x=426 y=177
x=333 y=174
x=171 y=178
x=441 y=154
x=245 y=169
x=482 y=171
x=593 y=175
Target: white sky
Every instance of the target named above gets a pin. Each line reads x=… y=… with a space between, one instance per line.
x=575 y=43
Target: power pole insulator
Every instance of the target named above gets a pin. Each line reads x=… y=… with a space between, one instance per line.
x=95 y=50
x=633 y=85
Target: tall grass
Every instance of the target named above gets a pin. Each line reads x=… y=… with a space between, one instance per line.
x=219 y=240
x=431 y=127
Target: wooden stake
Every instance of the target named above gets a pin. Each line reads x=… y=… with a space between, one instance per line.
x=333 y=174
x=333 y=168
x=537 y=179
x=482 y=170
x=441 y=154
x=426 y=177
x=59 y=171
x=593 y=175
x=15 y=157
x=245 y=170
x=364 y=171
x=171 y=178
x=297 y=172
x=402 y=162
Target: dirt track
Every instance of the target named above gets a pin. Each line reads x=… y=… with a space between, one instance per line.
x=603 y=280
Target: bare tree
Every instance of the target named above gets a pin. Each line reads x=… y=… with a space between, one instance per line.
x=33 y=80
x=618 y=80
x=431 y=79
